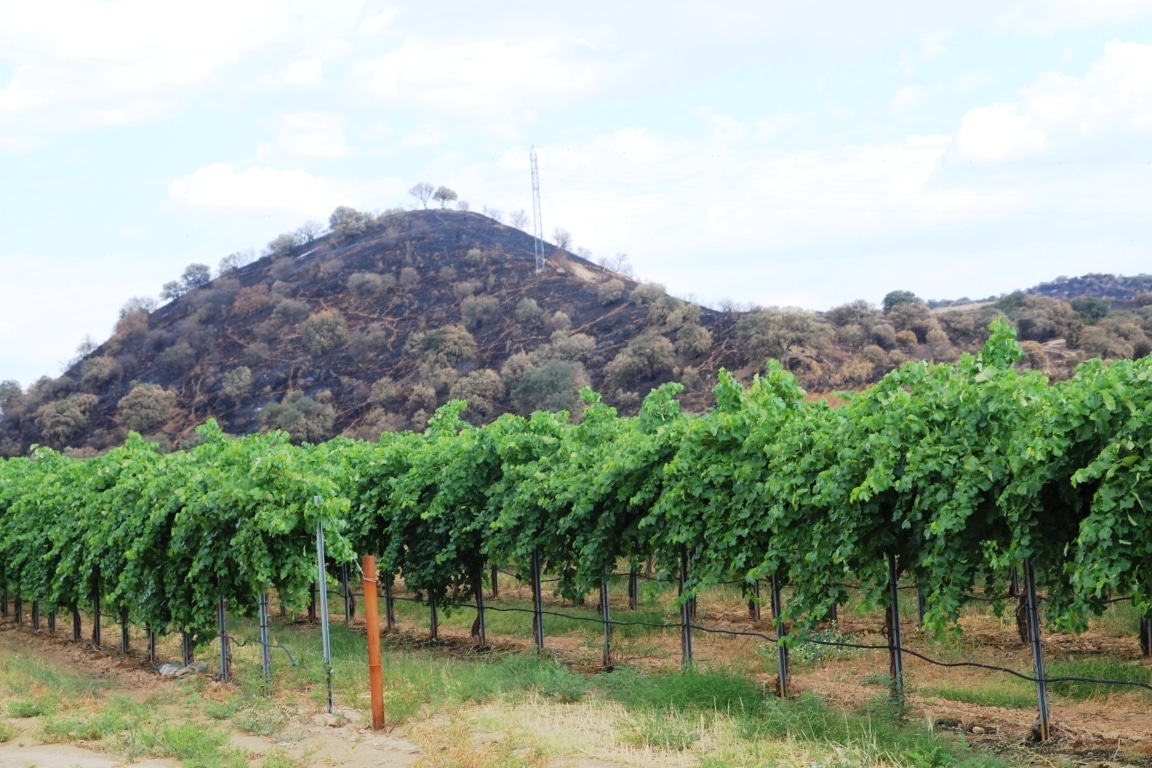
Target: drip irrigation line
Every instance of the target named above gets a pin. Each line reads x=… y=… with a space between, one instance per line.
x=241 y=643
x=593 y=619
x=977 y=664
x=521 y=580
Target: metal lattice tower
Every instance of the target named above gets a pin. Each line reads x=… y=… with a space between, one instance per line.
x=537 y=224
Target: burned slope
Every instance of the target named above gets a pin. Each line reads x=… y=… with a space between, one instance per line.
x=365 y=334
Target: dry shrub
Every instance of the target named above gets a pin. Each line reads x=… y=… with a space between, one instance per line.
x=323 y=332
x=145 y=408
x=250 y=300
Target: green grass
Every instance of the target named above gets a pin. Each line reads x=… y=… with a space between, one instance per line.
x=7 y=732
x=1102 y=668
x=1002 y=693
x=22 y=708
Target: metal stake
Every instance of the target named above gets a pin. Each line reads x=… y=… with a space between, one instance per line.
x=19 y=610
x=347 y=595
x=633 y=587
x=52 y=621
x=75 y=624
x=754 y=603
x=920 y=605
x=322 y=579
x=433 y=619
x=123 y=631
x=96 y=617
x=186 y=648
x=685 y=614
x=265 y=650
x=389 y=605
x=1043 y=729
x=781 y=650
x=36 y=615
x=222 y=631
x=481 y=625
x=4 y=603
x=495 y=576
x=895 y=645
x=537 y=603
x=606 y=615
x=151 y=643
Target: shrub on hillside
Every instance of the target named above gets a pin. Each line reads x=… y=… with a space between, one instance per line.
x=447 y=346
x=567 y=346
x=250 y=300
x=409 y=278
x=693 y=341
x=553 y=386
x=482 y=389
x=647 y=293
x=95 y=372
x=61 y=420
x=145 y=408
x=609 y=292
x=323 y=332
x=1115 y=338
x=365 y=345
x=290 y=311
x=304 y=419
x=237 y=383
x=479 y=310
x=366 y=284
x=528 y=312
x=772 y=333
x=646 y=357
x=177 y=360
x=384 y=391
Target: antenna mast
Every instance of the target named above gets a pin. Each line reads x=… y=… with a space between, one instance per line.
x=537 y=224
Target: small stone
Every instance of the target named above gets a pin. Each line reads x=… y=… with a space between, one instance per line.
x=977 y=730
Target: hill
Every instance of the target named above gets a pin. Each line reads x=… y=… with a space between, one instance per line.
x=371 y=325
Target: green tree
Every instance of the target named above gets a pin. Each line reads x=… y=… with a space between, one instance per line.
x=443 y=195
x=896 y=298
x=145 y=408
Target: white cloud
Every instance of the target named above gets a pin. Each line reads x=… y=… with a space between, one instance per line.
x=1044 y=17
x=1115 y=96
x=972 y=81
x=932 y=46
x=909 y=96
x=83 y=62
x=223 y=187
x=427 y=135
x=308 y=134
x=475 y=74
x=999 y=132
x=377 y=24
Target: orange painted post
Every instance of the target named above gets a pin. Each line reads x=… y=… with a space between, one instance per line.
x=372 y=620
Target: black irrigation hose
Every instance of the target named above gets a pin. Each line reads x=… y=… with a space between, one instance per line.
x=241 y=643
x=979 y=665
x=833 y=643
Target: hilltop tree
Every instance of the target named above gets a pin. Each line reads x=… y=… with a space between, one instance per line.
x=195 y=276
x=443 y=195
x=896 y=298
x=422 y=192
x=562 y=238
x=308 y=231
x=519 y=219
x=348 y=223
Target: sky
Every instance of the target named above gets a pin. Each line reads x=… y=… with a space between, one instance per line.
x=793 y=154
